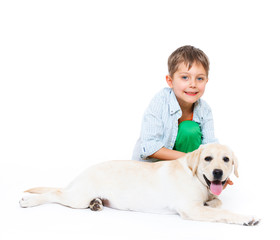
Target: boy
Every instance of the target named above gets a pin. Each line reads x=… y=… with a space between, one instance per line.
x=177 y=121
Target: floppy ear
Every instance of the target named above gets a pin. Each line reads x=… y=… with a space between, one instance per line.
x=235 y=163
x=193 y=159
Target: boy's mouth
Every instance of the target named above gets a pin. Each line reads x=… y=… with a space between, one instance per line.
x=191 y=93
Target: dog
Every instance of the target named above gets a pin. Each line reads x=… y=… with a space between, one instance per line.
x=188 y=186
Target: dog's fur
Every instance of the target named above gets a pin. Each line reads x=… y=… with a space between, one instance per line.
x=177 y=186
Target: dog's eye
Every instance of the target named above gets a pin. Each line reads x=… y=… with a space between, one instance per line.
x=226 y=159
x=208 y=159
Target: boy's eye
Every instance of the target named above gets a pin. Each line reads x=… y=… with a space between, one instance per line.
x=185 y=77
x=200 y=79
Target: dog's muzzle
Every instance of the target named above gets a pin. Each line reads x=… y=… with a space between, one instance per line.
x=216 y=186
x=217 y=174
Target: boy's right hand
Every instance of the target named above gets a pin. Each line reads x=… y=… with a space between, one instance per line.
x=228 y=182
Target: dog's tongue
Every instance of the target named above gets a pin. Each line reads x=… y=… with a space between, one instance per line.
x=216 y=188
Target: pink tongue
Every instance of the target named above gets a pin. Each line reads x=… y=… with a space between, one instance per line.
x=216 y=188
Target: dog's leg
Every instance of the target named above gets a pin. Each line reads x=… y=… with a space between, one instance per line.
x=64 y=197
x=214 y=203
x=202 y=213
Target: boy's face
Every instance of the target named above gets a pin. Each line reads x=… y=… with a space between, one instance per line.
x=188 y=85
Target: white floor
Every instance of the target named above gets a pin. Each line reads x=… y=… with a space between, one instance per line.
x=52 y=221
x=75 y=79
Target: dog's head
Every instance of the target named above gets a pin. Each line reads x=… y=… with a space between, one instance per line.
x=213 y=163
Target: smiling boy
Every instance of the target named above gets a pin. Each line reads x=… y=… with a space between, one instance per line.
x=177 y=121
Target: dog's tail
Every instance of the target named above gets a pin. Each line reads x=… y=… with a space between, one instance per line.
x=40 y=190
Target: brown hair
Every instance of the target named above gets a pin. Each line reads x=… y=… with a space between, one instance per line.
x=189 y=55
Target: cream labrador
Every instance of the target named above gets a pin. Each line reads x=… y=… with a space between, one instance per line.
x=188 y=186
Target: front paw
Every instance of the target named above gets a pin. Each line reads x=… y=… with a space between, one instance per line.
x=215 y=203
x=253 y=221
x=245 y=220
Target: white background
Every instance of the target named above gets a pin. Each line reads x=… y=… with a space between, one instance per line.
x=76 y=77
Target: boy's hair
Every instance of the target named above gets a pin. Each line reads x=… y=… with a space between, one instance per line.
x=189 y=55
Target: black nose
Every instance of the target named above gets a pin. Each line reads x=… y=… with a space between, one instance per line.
x=217 y=173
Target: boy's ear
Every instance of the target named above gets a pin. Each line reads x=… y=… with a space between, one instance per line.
x=169 y=81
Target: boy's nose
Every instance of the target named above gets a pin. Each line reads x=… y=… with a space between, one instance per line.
x=192 y=82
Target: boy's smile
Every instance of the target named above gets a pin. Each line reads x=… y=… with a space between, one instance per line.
x=188 y=84
x=191 y=93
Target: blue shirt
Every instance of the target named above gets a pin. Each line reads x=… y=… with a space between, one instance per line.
x=160 y=124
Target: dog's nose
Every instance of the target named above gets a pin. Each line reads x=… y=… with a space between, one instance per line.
x=217 y=173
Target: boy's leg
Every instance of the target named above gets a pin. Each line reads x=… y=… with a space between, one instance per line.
x=188 y=137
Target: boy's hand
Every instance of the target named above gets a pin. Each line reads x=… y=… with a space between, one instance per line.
x=228 y=182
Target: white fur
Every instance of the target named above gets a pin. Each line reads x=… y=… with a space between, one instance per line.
x=163 y=187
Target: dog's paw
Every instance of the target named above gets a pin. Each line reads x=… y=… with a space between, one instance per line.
x=252 y=221
x=215 y=203
x=96 y=204
x=29 y=201
x=244 y=220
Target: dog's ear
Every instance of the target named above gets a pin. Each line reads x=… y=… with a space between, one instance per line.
x=235 y=163
x=193 y=159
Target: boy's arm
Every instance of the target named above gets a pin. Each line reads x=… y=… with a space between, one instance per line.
x=167 y=154
x=152 y=129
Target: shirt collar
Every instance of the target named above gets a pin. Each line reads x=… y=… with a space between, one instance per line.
x=196 y=111
x=174 y=106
